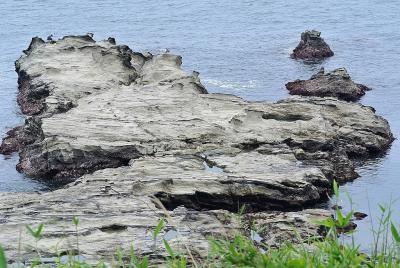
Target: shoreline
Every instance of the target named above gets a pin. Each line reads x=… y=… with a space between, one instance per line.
x=229 y=132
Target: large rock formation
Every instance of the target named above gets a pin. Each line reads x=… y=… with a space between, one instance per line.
x=336 y=84
x=134 y=128
x=312 y=47
x=117 y=208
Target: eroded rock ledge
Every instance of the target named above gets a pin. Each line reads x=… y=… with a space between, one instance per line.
x=128 y=127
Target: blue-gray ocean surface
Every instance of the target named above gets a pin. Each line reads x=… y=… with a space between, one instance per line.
x=239 y=47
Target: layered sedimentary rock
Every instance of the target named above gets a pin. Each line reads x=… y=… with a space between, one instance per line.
x=130 y=128
x=312 y=46
x=336 y=83
x=116 y=208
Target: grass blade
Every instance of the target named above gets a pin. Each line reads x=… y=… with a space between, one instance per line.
x=336 y=189
x=395 y=233
x=39 y=230
x=3 y=261
x=169 y=249
x=31 y=231
x=158 y=228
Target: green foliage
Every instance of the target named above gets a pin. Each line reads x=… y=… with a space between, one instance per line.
x=242 y=251
x=180 y=262
x=158 y=228
x=75 y=221
x=36 y=233
x=3 y=261
x=169 y=249
x=395 y=233
x=174 y=260
x=341 y=220
x=136 y=262
x=335 y=189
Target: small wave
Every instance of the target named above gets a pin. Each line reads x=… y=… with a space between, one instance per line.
x=232 y=85
x=288 y=50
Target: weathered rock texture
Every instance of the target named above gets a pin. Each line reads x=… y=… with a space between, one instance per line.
x=312 y=47
x=115 y=209
x=336 y=84
x=134 y=127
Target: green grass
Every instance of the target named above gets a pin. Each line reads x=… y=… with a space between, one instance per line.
x=242 y=251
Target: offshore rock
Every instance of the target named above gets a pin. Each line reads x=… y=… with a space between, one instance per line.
x=336 y=83
x=312 y=47
x=133 y=131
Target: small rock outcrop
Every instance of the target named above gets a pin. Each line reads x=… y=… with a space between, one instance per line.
x=312 y=47
x=336 y=83
x=359 y=215
x=131 y=130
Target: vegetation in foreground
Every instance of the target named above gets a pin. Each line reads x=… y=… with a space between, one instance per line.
x=242 y=251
